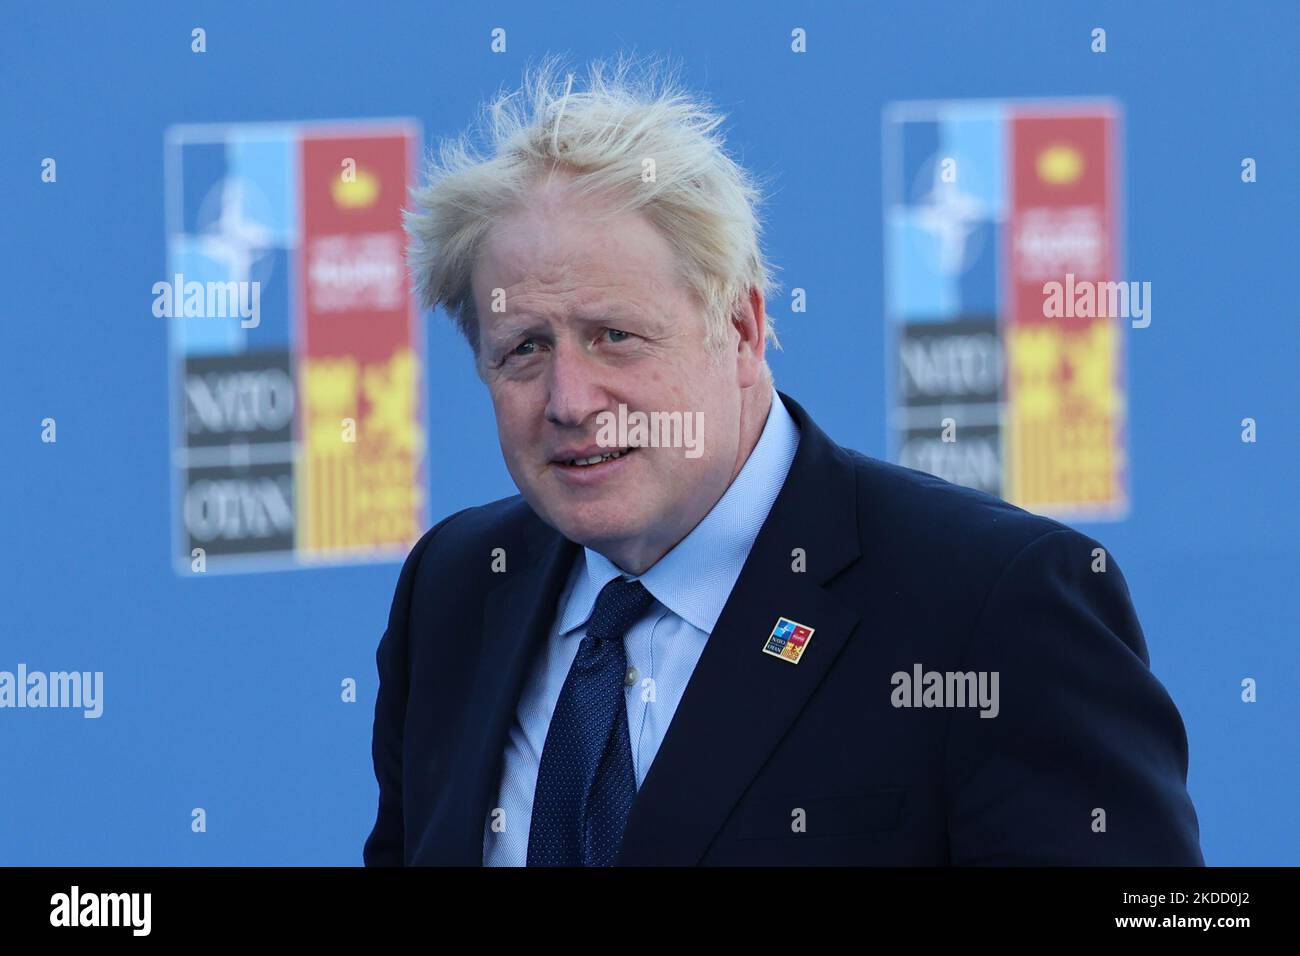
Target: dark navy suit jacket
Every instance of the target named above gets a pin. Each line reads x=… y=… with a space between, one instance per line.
x=768 y=762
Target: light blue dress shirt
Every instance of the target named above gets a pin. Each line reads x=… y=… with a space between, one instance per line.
x=690 y=584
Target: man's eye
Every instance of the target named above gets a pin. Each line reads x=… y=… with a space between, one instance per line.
x=521 y=351
x=614 y=332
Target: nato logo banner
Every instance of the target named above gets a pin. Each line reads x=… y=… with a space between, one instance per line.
x=988 y=205
x=296 y=359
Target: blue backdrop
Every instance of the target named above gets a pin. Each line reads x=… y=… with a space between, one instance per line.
x=222 y=692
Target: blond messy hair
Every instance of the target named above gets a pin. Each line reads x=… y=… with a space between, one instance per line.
x=604 y=135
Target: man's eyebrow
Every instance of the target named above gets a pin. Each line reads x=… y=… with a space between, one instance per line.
x=517 y=328
x=509 y=331
x=614 y=312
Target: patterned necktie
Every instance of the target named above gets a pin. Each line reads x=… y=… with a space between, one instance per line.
x=586 y=784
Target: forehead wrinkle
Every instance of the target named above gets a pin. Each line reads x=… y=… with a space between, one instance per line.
x=566 y=293
x=551 y=275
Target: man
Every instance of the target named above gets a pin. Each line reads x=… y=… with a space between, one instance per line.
x=761 y=648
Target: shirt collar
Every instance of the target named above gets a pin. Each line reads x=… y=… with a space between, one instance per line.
x=695 y=578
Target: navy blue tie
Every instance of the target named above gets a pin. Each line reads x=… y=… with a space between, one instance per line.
x=586 y=783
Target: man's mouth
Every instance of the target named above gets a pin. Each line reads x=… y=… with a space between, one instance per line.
x=596 y=459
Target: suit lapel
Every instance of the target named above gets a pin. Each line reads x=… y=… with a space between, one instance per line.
x=739 y=701
x=517 y=618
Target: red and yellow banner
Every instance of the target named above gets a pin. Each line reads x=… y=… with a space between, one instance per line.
x=1065 y=412
x=360 y=479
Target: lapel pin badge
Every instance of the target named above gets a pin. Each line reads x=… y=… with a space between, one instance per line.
x=788 y=640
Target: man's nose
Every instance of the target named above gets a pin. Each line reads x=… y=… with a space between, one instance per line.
x=576 y=386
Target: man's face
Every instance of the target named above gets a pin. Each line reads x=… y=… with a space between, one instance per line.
x=591 y=315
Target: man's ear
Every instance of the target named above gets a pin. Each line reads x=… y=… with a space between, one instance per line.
x=750 y=321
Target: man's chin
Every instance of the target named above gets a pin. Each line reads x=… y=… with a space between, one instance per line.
x=596 y=530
